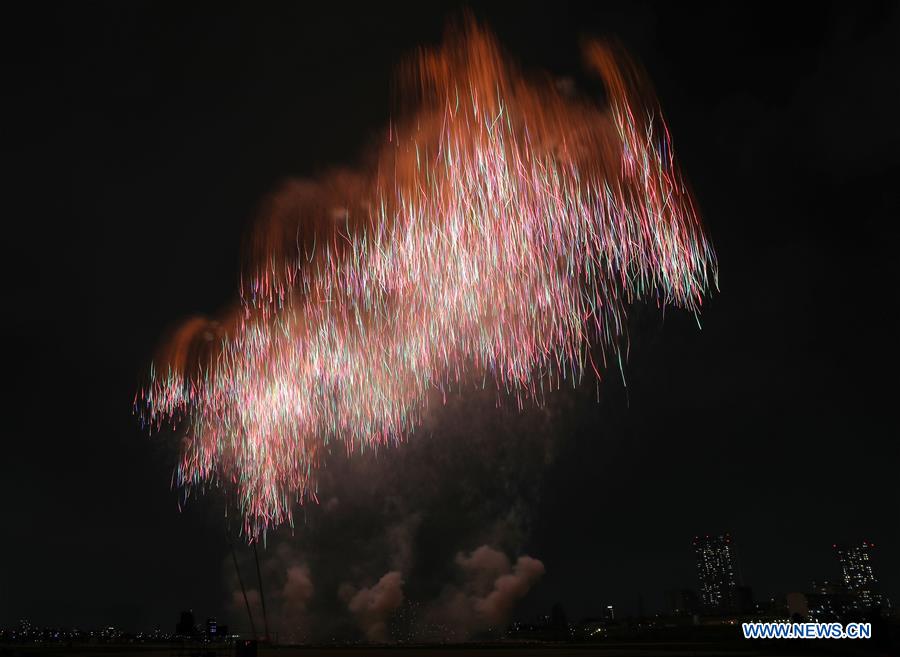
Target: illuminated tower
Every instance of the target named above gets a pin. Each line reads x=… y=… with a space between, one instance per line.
x=856 y=571
x=716 y=571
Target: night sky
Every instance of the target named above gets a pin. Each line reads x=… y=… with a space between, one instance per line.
x=141 y=140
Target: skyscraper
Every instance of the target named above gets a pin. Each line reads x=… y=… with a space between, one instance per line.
x=856 y=571
x=716 y=571
x=185 y=625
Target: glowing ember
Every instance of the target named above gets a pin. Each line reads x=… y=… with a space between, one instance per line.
x=499 y=239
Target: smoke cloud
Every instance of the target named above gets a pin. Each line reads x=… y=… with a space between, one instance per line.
x=373 y=606
x=287 y=587
x=484 y=602
x=295 y=596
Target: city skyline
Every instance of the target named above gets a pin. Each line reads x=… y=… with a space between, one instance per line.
x=717 y=595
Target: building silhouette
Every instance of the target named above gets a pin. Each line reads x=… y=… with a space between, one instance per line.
x=716 y=572
x=185 y=625
x=683 y=602
x=857 y=574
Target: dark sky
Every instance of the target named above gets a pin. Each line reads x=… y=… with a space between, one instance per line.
x=140 y=140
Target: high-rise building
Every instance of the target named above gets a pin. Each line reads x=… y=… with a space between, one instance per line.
x=856 y=572
x=185 y=625
x=716 y=571
x=829 y=601
x=683 y=602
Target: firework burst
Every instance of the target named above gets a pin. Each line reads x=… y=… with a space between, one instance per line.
x=497 y=240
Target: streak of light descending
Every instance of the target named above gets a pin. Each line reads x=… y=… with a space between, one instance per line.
x=500 y=237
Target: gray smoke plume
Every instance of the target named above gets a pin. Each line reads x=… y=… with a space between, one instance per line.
x=373 y=606
x=288 y=590
x=483 y=603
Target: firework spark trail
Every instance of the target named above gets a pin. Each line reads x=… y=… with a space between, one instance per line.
x=501 y=236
